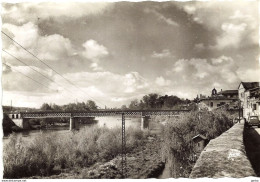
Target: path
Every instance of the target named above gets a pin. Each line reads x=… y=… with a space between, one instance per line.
x=252 y=144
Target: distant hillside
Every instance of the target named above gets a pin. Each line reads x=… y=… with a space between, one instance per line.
x=21 y=109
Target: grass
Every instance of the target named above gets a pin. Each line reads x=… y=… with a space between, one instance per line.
x=47 y=152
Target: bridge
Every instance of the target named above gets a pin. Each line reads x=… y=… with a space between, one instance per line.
x=21 y=119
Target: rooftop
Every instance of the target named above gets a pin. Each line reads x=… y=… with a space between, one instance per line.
x=200 y=136
x=250 y=85
x=228 y=92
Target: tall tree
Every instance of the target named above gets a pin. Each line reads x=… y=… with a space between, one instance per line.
x=134 y=104
x=45 y=107
x=91 y=105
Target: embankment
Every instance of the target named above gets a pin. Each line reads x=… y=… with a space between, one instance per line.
x=224 y=156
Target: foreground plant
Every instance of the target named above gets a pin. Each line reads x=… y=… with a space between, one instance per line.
x=68 y=150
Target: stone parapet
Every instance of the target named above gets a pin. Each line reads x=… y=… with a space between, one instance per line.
x=224 y=156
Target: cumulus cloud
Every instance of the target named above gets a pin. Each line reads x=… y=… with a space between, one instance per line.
x=111 y=84
x=94 y=52
x=52 y=47
x=233 y=22
x=164 y=54
x=24 y=12
x=14 y=79
x=26 y=34
x=203 y=74
x=240 y=16
x=162 y=81
x=232 y=35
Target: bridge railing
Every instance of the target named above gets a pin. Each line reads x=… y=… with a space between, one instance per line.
x=101 y=113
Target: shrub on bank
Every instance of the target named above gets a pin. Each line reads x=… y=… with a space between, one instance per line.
x=67 y=150
x=177 y=146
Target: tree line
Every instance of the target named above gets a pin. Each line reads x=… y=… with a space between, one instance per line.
x=79 y=106
x=156 y=101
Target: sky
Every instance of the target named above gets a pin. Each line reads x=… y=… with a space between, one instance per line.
x=115 y=52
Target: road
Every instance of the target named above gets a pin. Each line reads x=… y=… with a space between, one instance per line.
x=252 y=144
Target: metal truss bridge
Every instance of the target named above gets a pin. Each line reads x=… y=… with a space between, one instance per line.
x=73 y=115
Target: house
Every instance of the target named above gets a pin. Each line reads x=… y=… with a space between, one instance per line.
x=199 y=142
x=216 y=100
x=248 y=93
x=229 y=93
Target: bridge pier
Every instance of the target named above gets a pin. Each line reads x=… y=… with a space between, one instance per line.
x=145 y=122
x=74 y=124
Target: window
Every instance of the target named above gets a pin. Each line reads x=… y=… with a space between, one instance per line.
x=254 y=107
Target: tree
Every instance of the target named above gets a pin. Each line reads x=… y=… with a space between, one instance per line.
x=45 y=107
x=134 y=104
x=91 y=105
x=56 y=107
x=172 y=101
x=150 y=100
x=123 y=107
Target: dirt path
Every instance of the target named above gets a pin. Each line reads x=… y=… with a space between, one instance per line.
x=252 y=144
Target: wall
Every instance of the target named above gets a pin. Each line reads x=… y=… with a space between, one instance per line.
x=224 y=156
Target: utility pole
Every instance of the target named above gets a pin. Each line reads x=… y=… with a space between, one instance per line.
x=123 y=147
x=11 y=106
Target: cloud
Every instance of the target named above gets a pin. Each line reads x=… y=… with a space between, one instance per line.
x=111 y=84
x=164 y=54
x=199 y=47
x=24 y=12
x=94 y=52
x=15 y=79
x=240 y=16
x=203 y=74
x=232 y=36
x=249 y=75
x=162 y=82
x=26 y=34
x=230 y=22
x=52 y=47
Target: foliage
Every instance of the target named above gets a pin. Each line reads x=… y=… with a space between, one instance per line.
x=153 y=100
x=177 y=144
x=79 y=106
x=67 y=150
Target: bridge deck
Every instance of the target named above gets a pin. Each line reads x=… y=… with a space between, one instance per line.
x=101 y=113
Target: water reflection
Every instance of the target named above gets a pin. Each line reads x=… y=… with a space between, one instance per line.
x=110 y=122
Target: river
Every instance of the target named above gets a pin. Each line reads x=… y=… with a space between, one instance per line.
x=110 y=122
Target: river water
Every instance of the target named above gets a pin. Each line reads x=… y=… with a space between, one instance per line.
x=110 y=122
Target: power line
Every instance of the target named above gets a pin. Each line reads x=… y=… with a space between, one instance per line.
x=49 y=66
x=35 y=70
x=25 y=75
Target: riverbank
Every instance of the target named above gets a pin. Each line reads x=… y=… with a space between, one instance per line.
x=49 y=153
x=144 y=161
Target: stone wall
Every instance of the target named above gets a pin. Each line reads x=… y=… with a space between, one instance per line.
x=224 y=156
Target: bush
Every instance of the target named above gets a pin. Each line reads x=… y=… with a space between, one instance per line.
x=68 y=150
x=177 y=136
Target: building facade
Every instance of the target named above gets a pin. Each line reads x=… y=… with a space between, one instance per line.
x=249 y=98
x=216 y=100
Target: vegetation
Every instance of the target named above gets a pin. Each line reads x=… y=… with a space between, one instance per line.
x=79 y=106
x=48 y=152
x=155 y=101
x=177 y=145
